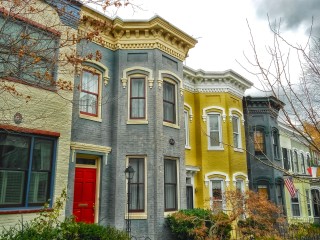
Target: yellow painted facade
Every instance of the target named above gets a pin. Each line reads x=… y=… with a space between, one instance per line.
x=219 y=93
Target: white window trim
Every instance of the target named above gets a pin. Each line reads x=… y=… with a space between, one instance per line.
x=239 y=148
x=139 y=215
x=309 y=203
x=294 y=151
x=187 y=129
x=297 y=193
x=220 y=147
x=302 y=157
x=223 y=189
x=239 y=175
x=132 y=120
x=150 y=79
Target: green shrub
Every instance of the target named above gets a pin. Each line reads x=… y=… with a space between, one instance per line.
x=199 y=224
x=67 y=229
x=98 y=232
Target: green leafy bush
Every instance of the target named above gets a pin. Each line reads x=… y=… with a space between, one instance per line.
x=49 y=226
x=199 y=224
x=67 y=229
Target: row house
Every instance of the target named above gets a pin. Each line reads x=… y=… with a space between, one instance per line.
x=36 y=114
x=302 y=169
x=263 y=147
x=128 y=111
x=215 y=145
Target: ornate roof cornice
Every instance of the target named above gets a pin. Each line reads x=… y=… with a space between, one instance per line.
x=223 y=82
x=137 y=34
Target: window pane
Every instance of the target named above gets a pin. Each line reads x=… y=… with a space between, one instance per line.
x=214 y=139
x=39 y=185
x=137 y=108
x=214 y=122
x=88 y=103
x=168 y=112
x=168 y=92
x=90 y=82
x=235 y=124
x=259 y=141
x=137 y=87
x=14 y=151
x=11 y=187
x=42 y=154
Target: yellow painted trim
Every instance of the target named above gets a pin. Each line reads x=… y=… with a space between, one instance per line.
x=89 y=147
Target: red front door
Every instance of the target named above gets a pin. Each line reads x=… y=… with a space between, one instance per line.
x=84 y=195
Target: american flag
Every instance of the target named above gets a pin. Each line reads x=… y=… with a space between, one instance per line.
x=289 y=184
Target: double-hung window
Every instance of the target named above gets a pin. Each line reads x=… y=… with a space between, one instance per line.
x=275 y=144
x=89 y=95
x=303 y=166
x=169 y=102
x=27 y=53
x=296 y=162
x=26 y=164
x=186 y=129
x=214 y=131
x=217 y=191
x=295 y=205
x=170 y=185
x=137 y=185
x=259 y=145
x=236 y=132
x=137 y=98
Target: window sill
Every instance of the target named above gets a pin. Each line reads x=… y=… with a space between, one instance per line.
x=21 y=211
x=166 y=214
x=137 y=216
x=216 y=149
x=92 y=118
x=187 y=147
x=172 y=125
x=139 y=121
x=238 y=150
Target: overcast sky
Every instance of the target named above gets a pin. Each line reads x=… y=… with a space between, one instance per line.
x=220 y=26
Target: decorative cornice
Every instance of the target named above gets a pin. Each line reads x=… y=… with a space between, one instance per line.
x=217 y=82
x=137 y=34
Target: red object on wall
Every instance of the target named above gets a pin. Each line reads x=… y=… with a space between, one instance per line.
x=84 y=195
